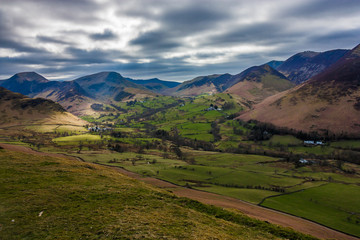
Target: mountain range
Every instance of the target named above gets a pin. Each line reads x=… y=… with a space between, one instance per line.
x=305 y=92
x=329 y=101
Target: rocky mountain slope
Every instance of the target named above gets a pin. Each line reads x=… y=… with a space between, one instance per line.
x=328 y=101
x=257 y=83
x=155 y=84
x=17 y=109
x=302 y=66
x=204 y=84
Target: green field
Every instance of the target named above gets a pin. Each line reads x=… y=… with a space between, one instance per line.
x=69 y=140
x=46 y=197
x=346 y=144
x=334 y=205
x=253 y=178
x=284 y=140
x=219 y=154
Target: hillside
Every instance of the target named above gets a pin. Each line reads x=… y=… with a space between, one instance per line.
x=17 y=109
x=68 y=94
x=274 y=64
x=257 y=83
x=26 y=83
x=155 y=84
x=111 y=85
x=330 y=100
x=302 y=66
x=204 y=84
x=72 y=199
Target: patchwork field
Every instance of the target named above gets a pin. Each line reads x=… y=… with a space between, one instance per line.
x=77 y=200
x=333 y=204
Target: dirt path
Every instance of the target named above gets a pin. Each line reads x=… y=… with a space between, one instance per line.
x=251 y=210
x=255 y=211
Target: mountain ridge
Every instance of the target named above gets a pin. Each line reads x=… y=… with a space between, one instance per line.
x=18 y=109
x=304 y=65
x=330 y=101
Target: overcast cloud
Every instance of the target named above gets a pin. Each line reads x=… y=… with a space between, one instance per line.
x=168 y=39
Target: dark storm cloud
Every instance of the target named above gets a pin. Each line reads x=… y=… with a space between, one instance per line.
x=95 y=56
x=47 y=39
x=341 y=38
x=9 y=39
x=155 y=41
x=18 y=46
x=168 y=38
x=177 y=23
x=268 y=33
x=325 y=8
x=192 y=19
x=106 y=35
x=81 y=11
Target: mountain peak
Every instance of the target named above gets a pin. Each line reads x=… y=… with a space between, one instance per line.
x=28 y=76
x=355 y=52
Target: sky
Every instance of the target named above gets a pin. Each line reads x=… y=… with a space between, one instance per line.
x=173 y=40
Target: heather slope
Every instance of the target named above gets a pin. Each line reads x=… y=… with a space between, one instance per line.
x=106 y=86
x=17 y=109
x=257 y=83
x=204 y=84
x=328 y=101
x=68 y=94
x=302 y=66
x=155 y=84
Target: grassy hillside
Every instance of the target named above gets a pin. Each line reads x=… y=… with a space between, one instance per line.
x=47 y=197
x=257 y=83
x=17 y=109
x=321 y=204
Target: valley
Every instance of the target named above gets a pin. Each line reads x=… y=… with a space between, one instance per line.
x=250 y=138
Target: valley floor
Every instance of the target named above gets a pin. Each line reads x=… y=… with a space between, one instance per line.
x=251 y=210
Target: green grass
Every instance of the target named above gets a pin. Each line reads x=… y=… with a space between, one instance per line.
x=250 y=195
x=45 y=197
x=284 y=140
x=346 y=144
x=77 y=138
x=318 y=150
x=334 y=205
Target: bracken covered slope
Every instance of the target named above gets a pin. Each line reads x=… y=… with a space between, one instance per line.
x=328 y=101
x=17 y=109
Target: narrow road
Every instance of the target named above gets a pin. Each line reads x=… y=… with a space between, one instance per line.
x=249 y=209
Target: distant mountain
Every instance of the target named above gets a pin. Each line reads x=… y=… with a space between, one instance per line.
x=155 y=84
x=68 y=93
x=258 y=82
x=275 y=64
x=204 y=84
x=107 y=86
x=17 y=109
x=302 y=66
x=328 y=101
x=25 y=83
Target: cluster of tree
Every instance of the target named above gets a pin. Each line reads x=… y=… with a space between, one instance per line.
x=228 y=106
x=179 y=140
x=215 y=131
x=119 y=108
x=274 y=188
x=233 y=115
x=117 y=147
x=257 y=128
